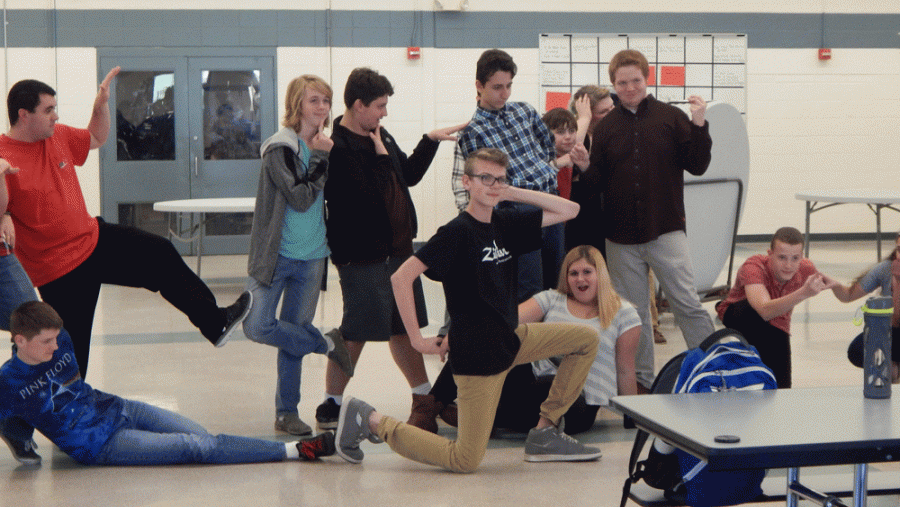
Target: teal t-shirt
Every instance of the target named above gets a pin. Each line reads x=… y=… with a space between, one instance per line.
x=303 y=233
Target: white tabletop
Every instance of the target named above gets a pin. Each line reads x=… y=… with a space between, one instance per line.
x=861 y=195
x=215 y=205
x=778 y=428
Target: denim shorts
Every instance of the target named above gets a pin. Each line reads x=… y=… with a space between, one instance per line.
x=370 y=312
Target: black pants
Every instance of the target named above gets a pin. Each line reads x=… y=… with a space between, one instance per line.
x=773 y=344
x=129 y=257
x=520 y=401
x=856 y=350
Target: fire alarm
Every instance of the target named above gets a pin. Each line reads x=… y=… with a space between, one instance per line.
x=824 y=54
x=413 y=53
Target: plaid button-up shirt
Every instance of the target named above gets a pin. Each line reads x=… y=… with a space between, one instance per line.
x=516 y=129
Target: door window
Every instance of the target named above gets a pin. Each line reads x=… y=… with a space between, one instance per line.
x=231 y=119
x=145 y=115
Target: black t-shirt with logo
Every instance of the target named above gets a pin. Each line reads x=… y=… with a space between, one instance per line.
x=476 y=262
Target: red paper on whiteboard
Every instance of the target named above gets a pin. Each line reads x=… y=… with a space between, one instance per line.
x=671 y=76
x=651 y=79
x=557 y=99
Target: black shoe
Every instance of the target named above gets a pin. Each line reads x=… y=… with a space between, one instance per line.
x=23 y=451
x=316 y=447
x=327 y=415
x=234 y=315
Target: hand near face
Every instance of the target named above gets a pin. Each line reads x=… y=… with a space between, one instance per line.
x=583 y=107
x=698 y=110
x=320 y=141
x=446 y=133
x=375 y=135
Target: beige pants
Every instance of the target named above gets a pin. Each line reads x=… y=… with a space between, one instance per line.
x=478 y=397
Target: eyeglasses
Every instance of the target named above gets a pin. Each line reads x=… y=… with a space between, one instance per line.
x=489 y=179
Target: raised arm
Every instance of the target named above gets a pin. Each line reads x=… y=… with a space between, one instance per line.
x=583 y=112
x=846 y=294
x=556 y=209
x=99 y=124
x=769 y=308
x=694 y=152
x=300 y=192
x=402 y=283
x=446 y=133
x=460 y=194
x=698 y=110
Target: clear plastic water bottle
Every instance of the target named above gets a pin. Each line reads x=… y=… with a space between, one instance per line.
x=877 y=336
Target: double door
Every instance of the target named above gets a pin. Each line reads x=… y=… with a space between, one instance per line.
x=186 y=127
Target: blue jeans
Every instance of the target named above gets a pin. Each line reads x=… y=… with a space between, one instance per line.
x=155 y=436
x=15 y=289
x=293 y=333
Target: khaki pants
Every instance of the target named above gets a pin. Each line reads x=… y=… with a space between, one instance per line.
x=478 y=397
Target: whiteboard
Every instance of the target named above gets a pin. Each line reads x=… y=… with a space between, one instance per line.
x=713 y=66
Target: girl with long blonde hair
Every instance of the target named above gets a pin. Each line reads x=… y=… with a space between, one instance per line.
x=584 y=295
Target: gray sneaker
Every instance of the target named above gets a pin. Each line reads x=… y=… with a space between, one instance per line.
x=291 y=423
x=339 y=354
x=551 y=444
x=353 y=428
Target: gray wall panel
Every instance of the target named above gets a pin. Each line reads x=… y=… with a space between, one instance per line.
x=230 y=28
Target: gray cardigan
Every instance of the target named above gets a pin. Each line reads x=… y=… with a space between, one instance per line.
x=280 y=186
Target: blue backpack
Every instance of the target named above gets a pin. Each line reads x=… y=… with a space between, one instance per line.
x=723 y=362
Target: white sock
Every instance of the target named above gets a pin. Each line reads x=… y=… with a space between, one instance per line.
x=422 y=388
x=290 y=449
x=338 y=398
x=329 y=342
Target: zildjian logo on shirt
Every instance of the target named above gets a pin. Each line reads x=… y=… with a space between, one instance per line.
x=495 y=254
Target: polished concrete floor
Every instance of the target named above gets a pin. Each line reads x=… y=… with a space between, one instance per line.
x=146 y=350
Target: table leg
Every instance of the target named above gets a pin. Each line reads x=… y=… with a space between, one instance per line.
x=860 y=485
x=793 y=474
x=200 y=243
x=806 y=237
x=878 y=229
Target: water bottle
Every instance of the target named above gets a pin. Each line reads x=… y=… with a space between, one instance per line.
x=877 y=337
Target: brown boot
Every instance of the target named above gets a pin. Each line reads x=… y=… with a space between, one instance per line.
x=425 y=409
x=658 y=337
